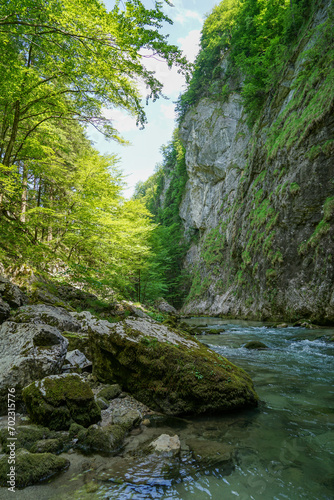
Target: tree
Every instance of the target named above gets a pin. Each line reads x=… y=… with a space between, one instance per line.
x=71 y=60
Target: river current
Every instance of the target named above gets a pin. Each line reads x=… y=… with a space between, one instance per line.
x=284 y=449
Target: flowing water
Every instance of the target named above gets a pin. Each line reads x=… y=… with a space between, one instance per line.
x=284 y=449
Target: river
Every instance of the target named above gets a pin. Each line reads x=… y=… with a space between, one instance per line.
x=284 y=449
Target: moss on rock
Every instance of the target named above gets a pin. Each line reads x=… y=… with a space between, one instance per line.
x=105 y=440
x=32 y=468
x=168 y=370
x=59 y=400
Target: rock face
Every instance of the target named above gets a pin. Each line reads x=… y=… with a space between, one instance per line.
x=28 y=352
x=11 y=293
x=261 y=202
x=168 y=371
x=58 y=401
x=49 y=315
x=163 y=306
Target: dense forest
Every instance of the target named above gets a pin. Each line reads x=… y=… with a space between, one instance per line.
x=62 y=65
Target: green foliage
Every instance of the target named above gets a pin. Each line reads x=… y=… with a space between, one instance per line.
x=322 y=229
x=313 y=95
x=62 y=64
x=250 y=38
x=163 y=273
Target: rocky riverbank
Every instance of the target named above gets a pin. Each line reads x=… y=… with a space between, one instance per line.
x=86 y=383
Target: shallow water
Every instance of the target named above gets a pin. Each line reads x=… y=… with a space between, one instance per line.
x=282 y=450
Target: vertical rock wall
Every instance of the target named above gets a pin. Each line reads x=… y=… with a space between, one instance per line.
x=261 y=203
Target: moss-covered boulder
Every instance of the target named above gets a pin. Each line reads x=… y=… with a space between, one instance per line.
x=110 y=392
x=106 y=439
x=167 y=370
x=11 y=293
x=26 y=436
x=59 y=400
x=31 y=468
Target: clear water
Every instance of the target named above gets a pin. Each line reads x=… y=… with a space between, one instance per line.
x=282 y=450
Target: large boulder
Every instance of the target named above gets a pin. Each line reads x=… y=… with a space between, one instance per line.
x=59 y=400
x=28 y=352
x=163 y=306
x=168 y=370
x=31 y=468
x=46 y=314
x=11 y=293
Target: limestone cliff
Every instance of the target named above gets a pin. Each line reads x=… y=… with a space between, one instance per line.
x=261 y=200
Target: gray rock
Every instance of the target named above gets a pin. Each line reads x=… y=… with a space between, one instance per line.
x=166 y=445
x=28 y=352
x=163 y=306
x=49 y=315
x=11 y=293
x=89 y=323
x=4 y=310
x=77 y=359
x=126 y=418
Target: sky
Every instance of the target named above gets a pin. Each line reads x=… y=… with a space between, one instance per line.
x=139 y=159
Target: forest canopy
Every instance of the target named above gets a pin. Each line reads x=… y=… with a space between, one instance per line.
x=62 y=64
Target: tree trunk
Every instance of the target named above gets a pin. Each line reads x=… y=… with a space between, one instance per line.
x=24 y=193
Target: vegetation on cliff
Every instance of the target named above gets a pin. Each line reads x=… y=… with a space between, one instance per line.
x=244 y=47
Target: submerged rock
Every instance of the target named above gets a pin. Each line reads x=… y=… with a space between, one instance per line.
x=167 y=370
x=28 y=352
x=59 y=400
x=255 y=344
x=167 y=445
x=32 y=468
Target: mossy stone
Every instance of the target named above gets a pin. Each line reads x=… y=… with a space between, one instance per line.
x=26 y=436
x=106 y=439
x=58 y=400
x=48 y=446
x=32 y=468
x=110 y=392
x=168 y=370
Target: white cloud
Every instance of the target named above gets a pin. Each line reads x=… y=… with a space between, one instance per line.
x=187 y=15
x=190 y=44
x=168 y=110
x=122 y=121
x=171 y=79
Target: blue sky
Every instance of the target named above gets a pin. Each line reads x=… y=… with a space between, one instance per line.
x=140 y=158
